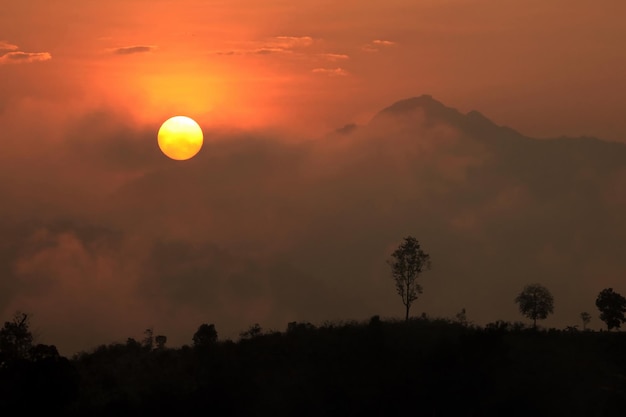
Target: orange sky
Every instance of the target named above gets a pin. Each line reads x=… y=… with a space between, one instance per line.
x=545 y=68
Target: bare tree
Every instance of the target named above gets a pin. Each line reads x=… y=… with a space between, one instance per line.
x=407 y=262
x=535 y=302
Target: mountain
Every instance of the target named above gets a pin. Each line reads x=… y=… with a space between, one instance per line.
x=428 y=112
x=419 y=114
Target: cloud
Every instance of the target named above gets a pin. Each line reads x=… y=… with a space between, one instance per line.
x=24 y=57
x=268 y=51
x=331 y=71
x=376 y=45
x=383 y=42
x=335 y=57
x=271 y=46
x=6 y=46
x=10 y=54
x=226 y=52
x=129 y=50
x=290 y=42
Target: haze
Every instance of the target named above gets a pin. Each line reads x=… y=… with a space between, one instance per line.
x=279 y=217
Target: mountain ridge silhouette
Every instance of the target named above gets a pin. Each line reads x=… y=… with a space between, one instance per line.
x=474 y=122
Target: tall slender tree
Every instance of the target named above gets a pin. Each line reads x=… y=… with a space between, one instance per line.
x=586 y=318
x=407 y=262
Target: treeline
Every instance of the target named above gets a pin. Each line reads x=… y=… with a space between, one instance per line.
x=423 y=367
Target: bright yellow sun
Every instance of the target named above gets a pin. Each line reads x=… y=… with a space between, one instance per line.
x=180 y=138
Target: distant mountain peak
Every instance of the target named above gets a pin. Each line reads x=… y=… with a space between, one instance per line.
x=476 y=115
x=425 y=101
x=434 y=112
x=432 y=108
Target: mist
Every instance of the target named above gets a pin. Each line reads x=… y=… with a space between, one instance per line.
x=103 y=236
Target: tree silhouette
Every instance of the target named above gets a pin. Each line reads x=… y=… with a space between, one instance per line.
x=16 y=340
x=160 y=341
x=612 y=306
x=133 y=344
x=295 y=327
x=344 y=367
x=586 y=318
x=407 y=263
x=148 y=340
x=535 y=302
x=461 y=317
x=42 y=352
x=205 y=336
x=254 y=331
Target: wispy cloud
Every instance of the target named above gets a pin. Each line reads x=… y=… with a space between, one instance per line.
x=335 y=57
x=268 y=51
x=11 y=54
x=271 y=46
x=383 y=42
x=135 y=49
x=332 y=72
x=377 y=44
x=289 y=42
x=6 y=47
x=19 y=57
x=226 y=52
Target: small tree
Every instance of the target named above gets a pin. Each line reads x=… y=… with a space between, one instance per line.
x=294 y=327
x=461 y=317
x=133 y=344
x=407 y=262
x=254 y=331
x=160 y=341
x=205 y=336
x=586 y=318
x=612 y=307
x=148 y=339
x=535 y=302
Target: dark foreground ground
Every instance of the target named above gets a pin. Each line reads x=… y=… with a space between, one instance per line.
x=423 y=368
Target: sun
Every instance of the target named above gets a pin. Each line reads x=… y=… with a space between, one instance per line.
x=180 y=138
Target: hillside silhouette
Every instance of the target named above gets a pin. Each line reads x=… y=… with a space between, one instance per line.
x=379 y=367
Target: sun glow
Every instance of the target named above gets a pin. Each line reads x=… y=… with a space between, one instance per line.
x=241 y=91
x=180 y=138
